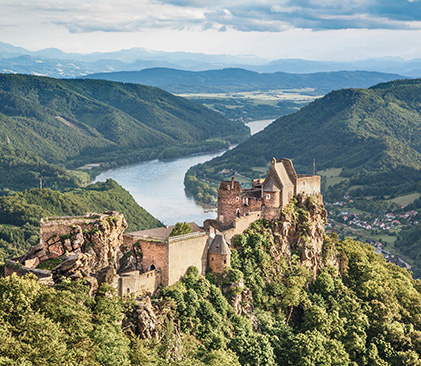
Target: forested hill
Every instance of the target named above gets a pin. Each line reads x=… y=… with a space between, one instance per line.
x=78 y=121
x=237 y=80
x=373 y=134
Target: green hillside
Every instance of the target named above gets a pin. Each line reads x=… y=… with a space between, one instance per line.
x=409 y=243
x=72 y=122
x=20 y=169
x=373 y=135
x=21 y=212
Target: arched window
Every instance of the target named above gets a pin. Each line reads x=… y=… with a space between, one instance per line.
x=152 y=267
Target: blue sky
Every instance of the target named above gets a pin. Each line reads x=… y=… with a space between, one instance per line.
x=312 y=29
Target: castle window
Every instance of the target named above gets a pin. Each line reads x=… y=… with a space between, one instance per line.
x=128 y=290
x=268 y=196
x=152 y=267
x=225 y=261
x=237 y=198
x=212 y=259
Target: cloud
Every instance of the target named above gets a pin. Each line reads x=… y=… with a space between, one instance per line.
x=279 y=15
x=242 y=15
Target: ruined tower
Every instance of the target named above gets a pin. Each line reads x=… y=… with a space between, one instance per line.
x=219 y=254
x=268 y=196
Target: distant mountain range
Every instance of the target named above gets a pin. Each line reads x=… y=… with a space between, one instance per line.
x=373 y=135
x=56 y=63
x=240 y=80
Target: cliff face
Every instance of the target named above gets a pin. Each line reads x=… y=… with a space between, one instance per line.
x=300 y=231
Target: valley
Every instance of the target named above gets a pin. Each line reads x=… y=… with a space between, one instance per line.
x=188 y=183
x=251 y=105
x=158 y=185
x=280 y=265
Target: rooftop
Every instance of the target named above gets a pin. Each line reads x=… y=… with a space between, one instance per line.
x=219 y=246
x=162 y=232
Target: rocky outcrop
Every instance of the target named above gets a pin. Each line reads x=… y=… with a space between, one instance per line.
x=300 y=230
x=79 y=247
x=56 y=246
x=146 y=320
x=131 y=259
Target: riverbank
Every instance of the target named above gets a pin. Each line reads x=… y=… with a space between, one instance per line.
x=206 y=190
x=174 y=152
x=158 y=185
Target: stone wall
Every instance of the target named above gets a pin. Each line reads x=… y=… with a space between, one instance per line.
x=218 y=263
x=241 y=224
x=289 y=167
x=155 y=256
x=272 y=200
x=77 y=234
x=138 y=283
x=13 y=266
x=60 y=226
x=308 y=185
x=185 y=251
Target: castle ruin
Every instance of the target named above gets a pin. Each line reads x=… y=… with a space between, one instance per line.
x=267 y=196
x=95 y=246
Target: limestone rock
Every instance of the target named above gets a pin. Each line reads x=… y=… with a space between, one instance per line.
x=303 y=234
x=106 y=275
x=146 y=319
x=242 y=301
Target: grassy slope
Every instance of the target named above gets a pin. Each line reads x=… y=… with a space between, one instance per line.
x=20 y=169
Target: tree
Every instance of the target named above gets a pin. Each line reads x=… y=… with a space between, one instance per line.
x=181 y=228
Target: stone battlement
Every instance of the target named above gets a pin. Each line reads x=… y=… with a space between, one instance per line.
x=267 y=196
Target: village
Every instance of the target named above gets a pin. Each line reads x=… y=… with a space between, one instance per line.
x=378 y=229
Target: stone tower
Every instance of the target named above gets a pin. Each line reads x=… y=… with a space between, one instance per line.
x=219 y=254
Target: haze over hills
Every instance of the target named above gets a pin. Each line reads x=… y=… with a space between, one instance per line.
x=56 y=63
x=410 y=68
x=238 y=80
x=373 y=135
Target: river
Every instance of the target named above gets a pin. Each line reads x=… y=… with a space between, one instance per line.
x=157 y=185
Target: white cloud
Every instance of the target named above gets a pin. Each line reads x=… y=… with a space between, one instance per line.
x=271 y=28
